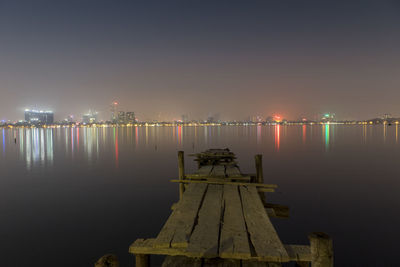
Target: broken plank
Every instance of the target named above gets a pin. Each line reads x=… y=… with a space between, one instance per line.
x=177 y=229
x=234 y=242
x=204 y=239
x=263 y=236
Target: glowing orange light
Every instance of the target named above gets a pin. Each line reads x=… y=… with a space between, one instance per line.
x=277 y=118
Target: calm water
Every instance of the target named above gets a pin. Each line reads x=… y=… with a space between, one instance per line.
x=69 y=196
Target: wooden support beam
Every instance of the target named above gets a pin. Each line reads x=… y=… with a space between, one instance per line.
x=321 y=250
x=265 y=186
x=260 y=175
x=142 y=260
x=181 y=165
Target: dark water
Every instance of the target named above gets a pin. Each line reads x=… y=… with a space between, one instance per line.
x=69 y=196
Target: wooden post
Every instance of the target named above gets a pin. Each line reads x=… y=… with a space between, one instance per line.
x=260 y=175
x=181 y=165
x=321 y=250
x=142 y=260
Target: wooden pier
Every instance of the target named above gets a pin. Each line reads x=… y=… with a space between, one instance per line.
x=223 y=219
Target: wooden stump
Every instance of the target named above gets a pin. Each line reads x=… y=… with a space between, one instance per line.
x=142 y=260
x=181 y=165
x=321 y=250
x=109 y=260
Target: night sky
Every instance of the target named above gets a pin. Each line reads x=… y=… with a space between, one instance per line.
x=163 y=59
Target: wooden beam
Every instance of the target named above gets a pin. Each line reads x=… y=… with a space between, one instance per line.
x=181 y=165
x=271 y=186
x=321 y=250
x=207 y=177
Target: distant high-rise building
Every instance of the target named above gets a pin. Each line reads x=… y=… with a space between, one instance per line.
x=130 y=117
x=121 y=117
x=113 y=109
x=39 y=116
x=91 y=117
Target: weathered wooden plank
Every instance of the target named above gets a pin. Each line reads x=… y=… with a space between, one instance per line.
x=298 y=252
x=204 y=239
x=232 y=171
x=205 y=170
x=263 y=236
x=181 y=261
x=177 y=229
x=271 y=186
x=218 y=171
x=233 y=239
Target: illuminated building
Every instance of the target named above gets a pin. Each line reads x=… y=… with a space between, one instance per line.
x=328 y=117
x=90 y=117
x=114 y=107
x=39 y=116
x=130 y=117
x=121 y=117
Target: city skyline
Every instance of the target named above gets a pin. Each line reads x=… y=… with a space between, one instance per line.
x=236 y=59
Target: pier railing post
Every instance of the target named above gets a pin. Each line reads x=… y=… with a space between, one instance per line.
x=321 y=250
x=260 y=175
x=181 y=165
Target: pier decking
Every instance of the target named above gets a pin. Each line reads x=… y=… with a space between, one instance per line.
x=222 y=219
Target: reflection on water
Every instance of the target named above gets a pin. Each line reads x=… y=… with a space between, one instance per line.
x=38 y=147
x=326 y=127
x=277 y=137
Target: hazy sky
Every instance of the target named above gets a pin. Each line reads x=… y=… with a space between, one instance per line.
x=166 y=58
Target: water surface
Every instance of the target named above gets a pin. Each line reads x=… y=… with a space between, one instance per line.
x=71 y=195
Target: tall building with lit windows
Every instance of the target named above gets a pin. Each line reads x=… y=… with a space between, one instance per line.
x=130 y=117
x=121 y=117
x=39 y=116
